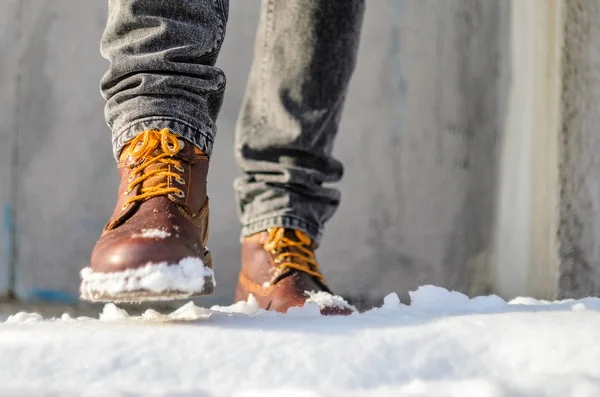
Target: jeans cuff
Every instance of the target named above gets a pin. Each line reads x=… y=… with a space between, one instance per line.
x=288 y=221
x=202 y=139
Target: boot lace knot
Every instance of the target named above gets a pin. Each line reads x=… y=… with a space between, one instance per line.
x=142 y=148
x=294 y=252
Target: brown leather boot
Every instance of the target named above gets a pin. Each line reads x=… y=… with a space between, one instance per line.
x=154 y=246
x=280 y=270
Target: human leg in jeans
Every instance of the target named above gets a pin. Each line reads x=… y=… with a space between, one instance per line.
x=163 y=96
x=304 y=57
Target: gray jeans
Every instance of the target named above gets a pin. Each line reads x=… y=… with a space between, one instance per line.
x=162 y=75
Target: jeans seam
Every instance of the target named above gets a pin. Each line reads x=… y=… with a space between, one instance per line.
x=311 y=228
x=223 y=13
x=265 y=217
x=123 y=130
x=221 y=33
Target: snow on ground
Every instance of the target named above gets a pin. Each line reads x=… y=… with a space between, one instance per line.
x=443 y=344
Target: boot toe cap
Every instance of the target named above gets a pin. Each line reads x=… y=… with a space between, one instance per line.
x=118 y=254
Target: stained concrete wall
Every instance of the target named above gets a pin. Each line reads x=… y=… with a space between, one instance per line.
x=419 y=140
x=525 y=259
x=579 y=234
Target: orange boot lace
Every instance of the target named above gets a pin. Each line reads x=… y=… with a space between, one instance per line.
x=293 y=253
x=142 y=147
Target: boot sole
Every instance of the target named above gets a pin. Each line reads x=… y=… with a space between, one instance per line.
x=141 y=295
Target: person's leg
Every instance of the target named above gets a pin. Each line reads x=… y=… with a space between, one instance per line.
x=304 y=57
x=163 y=95
x=162 y=74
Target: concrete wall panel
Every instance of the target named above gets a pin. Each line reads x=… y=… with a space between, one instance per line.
x=525 y=252
x=418 y=141
x=579 y=233
x=66 y=173
x=9 y=76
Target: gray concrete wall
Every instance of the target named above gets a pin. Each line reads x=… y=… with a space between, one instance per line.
x=419 y=142
x=9 y=77
x=579 y=233
x=64 y=170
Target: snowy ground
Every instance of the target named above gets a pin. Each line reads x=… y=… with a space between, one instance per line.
x=443 y=344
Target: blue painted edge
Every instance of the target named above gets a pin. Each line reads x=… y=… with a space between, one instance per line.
x=50 y=296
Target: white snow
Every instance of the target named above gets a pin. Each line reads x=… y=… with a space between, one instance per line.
x=23 y=317
x=443 y=344
x=391 y=300
x=325 y=299
x=187 y=276
x=153 y=233
x=111 y=312
x=249 y=307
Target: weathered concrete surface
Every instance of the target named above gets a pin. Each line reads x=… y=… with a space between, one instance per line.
x=525 y=260
x=579 y=233
x=66 y=178
x=419 y=142
x=9 y=77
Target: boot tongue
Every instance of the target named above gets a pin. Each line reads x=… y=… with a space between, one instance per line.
x=157 y=178
x=187 y=151
x=296 y=236
x=129 y=161
x=299 y=236
x=303 y=258
x=185 y=155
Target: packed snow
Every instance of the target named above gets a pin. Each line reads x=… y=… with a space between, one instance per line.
x=324 y=299
x=442 y=344
x=188 y=276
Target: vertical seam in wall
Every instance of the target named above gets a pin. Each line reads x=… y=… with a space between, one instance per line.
x=14 y=173
x=559 y=15
x=542 y=275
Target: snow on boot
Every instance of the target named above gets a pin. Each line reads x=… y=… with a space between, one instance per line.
x=154 y=245
x=280 y=270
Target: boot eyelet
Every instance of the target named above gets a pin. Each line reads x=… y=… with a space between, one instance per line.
x=179 y=194
x=131 y=177
x=126 y=192
x=181 y=181
x=178 y=168
x=124 y=207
